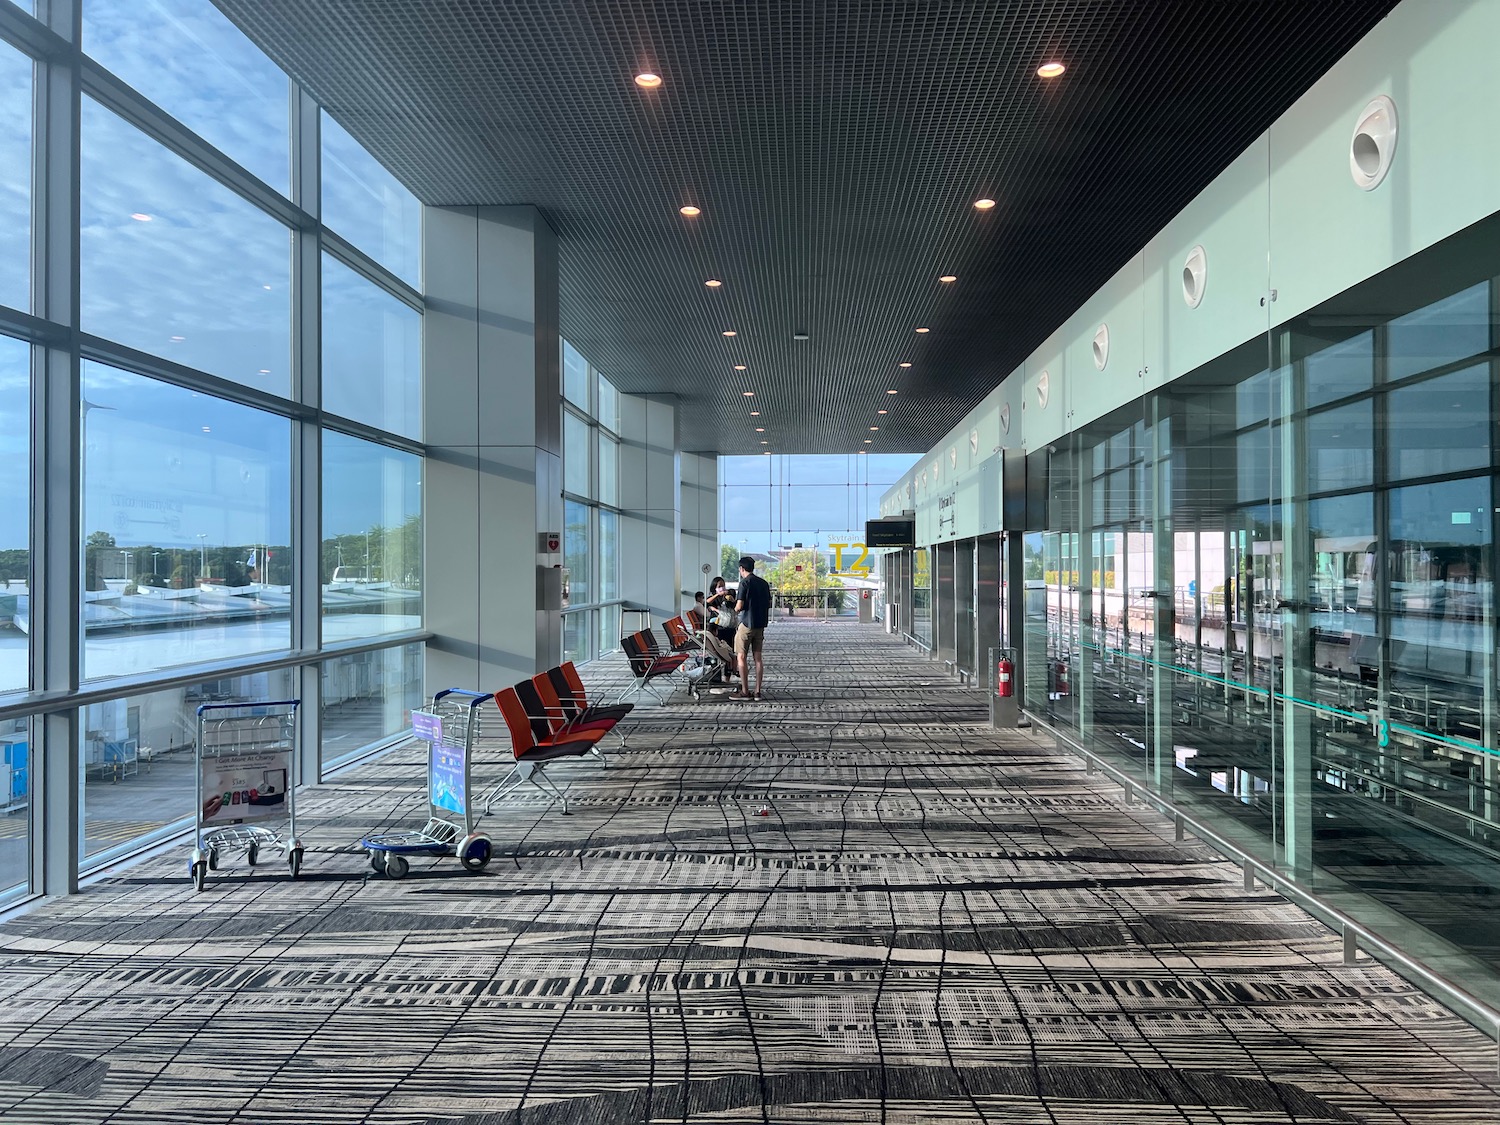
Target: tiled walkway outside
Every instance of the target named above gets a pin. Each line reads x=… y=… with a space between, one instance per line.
x=850 y=903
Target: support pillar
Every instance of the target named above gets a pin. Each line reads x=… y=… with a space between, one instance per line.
x=700 y=522
x=650 y=493
x=493 y=416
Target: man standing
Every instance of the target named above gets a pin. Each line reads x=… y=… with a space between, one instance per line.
x=754 y=607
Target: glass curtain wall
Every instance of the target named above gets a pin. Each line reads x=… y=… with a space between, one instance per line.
x=1268 y=591
x=591 y=509
x=802 y=517
x=179 y=566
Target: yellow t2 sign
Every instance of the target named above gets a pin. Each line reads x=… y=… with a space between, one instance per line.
x=860 y=565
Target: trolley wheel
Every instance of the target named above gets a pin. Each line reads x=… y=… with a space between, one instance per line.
x=377 y=859
x=294 y=861
x=213 y=859
x=252 y=853
x=396 y=866
x=476 y=854
x=200 y=873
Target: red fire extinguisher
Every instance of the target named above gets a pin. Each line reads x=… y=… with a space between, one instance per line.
x=1005 y=678
x=1062 y=678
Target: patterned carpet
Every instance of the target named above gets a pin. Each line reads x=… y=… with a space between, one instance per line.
x=930 y=923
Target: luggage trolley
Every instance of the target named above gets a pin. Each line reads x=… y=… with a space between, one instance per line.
x=449 y=727
x=244 y=779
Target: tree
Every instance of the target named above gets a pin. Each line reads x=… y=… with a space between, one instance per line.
x=729 y=562
x=99 y=539
x=812 y=578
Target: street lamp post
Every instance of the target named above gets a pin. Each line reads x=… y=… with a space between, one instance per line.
x=203 y=554
x=154 y=555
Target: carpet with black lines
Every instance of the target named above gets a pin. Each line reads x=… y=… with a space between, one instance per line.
x=852 y=902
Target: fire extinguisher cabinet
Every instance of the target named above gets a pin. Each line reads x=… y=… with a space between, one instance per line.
x=1005 y=689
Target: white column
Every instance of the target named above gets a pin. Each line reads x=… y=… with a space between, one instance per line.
x=493 y=416
x=700 y=521
x=650 y=493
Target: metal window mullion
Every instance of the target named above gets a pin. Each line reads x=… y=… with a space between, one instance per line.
x=337 y=246
x=57 y=463
x=307 y=434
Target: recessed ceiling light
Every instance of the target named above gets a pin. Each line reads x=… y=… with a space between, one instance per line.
x=760 y=429
x=748 y=394
x=692 y=212
x=1050 y=70
x=861 y=451
x=874 y=429
x=648 y=81
x=765 y=443
x=905 y=365
x=890 y=392
x=799 y=336
x=882 y=412
x=265 y=370
x=731 y=332
x=208 y=429
x=767 y=452
x=739 y=367
x=266 y=287
x=947 y=277
x=867 y=441
x=755 y=413
x=178 y=339
x=924 y=330
x=141 y=217
x=713 y=283
x=984 y=204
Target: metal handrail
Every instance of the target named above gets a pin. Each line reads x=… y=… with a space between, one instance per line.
x=1354 y=932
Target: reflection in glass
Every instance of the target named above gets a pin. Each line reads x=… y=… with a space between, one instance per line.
x=368 y=697
x=608 y=414
x=137 y=758
x=1340 y=449
x=578 y=588
x=187 y=526
x=372 y=539
x=609 y=555
x=575 y=636
x=1340 y=369
x=187 y=57
x=177 y=265
x=368 y=206
x=575 y=377
x=1448 y=330
x=609 y=629
x=15 y=510
x=372 y=353
x=1440 y=425
x=15 y=805
x=609 y=470
x=576 y=475
x=15 y=179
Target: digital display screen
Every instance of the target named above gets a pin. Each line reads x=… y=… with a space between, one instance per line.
x=890 y=533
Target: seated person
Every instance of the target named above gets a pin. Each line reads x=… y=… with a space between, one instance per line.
x=720 y=604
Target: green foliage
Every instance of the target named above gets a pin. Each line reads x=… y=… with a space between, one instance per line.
x=729 y=562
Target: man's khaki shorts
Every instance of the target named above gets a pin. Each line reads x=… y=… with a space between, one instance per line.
x=749 y=640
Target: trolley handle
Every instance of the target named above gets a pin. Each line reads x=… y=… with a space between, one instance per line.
x=475 y=698
x=205 y=707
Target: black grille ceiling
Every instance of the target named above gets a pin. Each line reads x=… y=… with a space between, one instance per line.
x=836 y=148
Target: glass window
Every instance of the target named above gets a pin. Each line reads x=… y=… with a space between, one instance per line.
x=609 y=405
x=609 y=629
x=187 y=526
x=368 y=697
x=576 y=636
x=576 y=455
x=1340 y=369
x=609 y=555
x=15 y=510
x=189 y=59
x=177 y=265
x=575 y=377
x=1452 y=329
x=577 y=587
x=15 y=804
x=372 y=539
x=1340 y=450
x=15 y=179
x=1440 y=425
x=372 y=353
x=609 y=470
x=137 y=758
x=367 y=205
